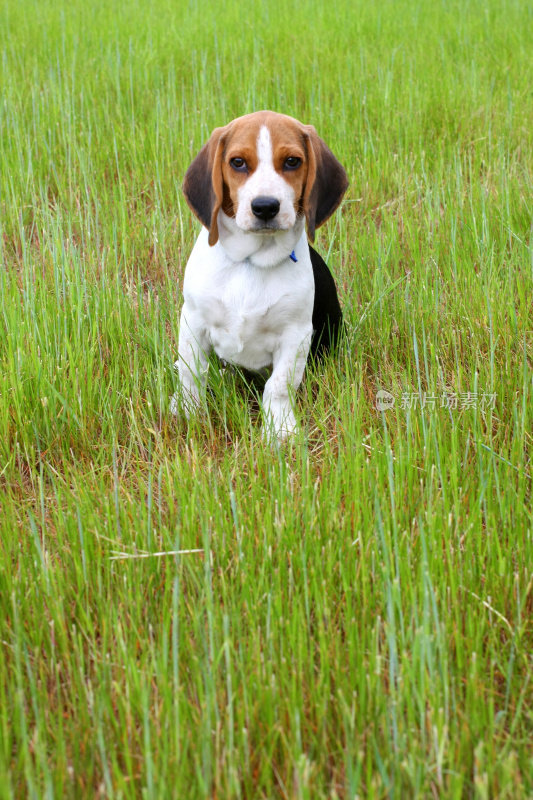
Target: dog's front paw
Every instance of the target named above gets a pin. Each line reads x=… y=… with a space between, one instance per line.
x=184 y=402
x=174 y=406
x=279 y=428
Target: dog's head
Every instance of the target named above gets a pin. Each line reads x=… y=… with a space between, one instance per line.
x=264 y=170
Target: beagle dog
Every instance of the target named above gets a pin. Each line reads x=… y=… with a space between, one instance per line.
x=254 y=290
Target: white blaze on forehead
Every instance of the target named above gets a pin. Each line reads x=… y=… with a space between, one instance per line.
x=264 y=147
x=265 y=181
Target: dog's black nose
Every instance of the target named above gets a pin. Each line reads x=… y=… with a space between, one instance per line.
x=265 y=208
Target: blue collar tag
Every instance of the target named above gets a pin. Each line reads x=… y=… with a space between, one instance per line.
x=293 y=257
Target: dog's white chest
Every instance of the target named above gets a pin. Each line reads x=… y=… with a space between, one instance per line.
x=244 y=336
x=245 y=310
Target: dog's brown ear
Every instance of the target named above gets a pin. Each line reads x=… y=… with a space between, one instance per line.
x=326 y=182
x=203 y=183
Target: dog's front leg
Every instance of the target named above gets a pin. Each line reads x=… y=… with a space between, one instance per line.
x=288 y=368
x=192 y=366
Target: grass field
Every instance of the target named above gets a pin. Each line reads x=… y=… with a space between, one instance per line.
x=355 y=621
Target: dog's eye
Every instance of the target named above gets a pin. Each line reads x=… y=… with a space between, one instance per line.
x=292 y=162
x=238 y=163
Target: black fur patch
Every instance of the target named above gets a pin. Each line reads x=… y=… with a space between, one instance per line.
x=327 y=315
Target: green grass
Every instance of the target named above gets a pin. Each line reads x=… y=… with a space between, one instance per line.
x=358 y=623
